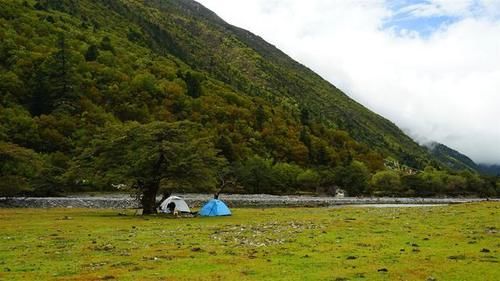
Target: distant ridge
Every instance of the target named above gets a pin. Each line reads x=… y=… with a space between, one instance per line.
x=451 y=158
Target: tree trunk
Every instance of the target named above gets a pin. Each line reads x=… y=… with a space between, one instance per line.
x=148 y=199
x=150 y=189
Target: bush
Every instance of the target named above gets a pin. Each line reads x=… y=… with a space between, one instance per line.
x=257 y=176
x=20 y=168
x=352 y=178
x=309 y=180
x=386 y=183
x=415 y=185
x=286 y=176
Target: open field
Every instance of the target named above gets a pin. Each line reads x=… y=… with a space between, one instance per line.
x=457 y=242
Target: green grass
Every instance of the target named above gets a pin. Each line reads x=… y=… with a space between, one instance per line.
x=445 y=243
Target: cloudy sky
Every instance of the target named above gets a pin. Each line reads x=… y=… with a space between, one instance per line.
x=431 y=66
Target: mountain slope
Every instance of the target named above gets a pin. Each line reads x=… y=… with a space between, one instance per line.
x=452 y=158
x=72 y=69
x=257 y=68
x=492 y=170
x=457 y=161
x=68 y=68
x=185 y=35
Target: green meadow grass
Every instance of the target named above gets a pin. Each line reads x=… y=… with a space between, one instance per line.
x=459 y=242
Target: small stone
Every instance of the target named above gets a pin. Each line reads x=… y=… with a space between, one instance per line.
x=197 y=249
x=459 y=257
x=484 y=250
x=383 y=270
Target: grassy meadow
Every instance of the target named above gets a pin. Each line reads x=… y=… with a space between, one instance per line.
x=458 y=242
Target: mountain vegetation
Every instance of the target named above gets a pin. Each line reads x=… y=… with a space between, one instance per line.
x=164 y=95
x=492 y=170
x=451 y=158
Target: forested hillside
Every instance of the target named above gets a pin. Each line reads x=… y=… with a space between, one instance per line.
x=95 y=95
x=452 y=158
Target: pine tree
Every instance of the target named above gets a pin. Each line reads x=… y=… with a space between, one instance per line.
x=193 y=85
x=61 y=59
x=92 y=53
x=304 y=117
x=260 y=117
x=106 y=45
x=41 y=5
x=226 y=146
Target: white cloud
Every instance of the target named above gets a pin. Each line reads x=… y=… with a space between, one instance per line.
x=445 y=87
x=490 y=8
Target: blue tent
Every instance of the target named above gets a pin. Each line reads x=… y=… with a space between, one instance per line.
x=215 y=208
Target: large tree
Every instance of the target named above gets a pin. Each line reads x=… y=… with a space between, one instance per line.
x=150 y=157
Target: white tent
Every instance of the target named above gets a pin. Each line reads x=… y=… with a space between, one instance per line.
x=180 y=205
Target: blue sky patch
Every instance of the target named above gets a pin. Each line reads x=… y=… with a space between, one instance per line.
x=424 y=26
x=404 y=20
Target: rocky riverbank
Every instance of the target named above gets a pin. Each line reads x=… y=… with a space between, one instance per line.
x=124 y=201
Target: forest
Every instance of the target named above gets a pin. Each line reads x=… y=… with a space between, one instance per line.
x=162 y=96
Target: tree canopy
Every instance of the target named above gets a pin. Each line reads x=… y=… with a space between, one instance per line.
x=149 y=157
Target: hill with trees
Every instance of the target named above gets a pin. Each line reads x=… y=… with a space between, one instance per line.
x=93 y=95
x=451 y=158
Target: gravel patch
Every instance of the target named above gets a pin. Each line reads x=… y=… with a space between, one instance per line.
x=125 y=201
